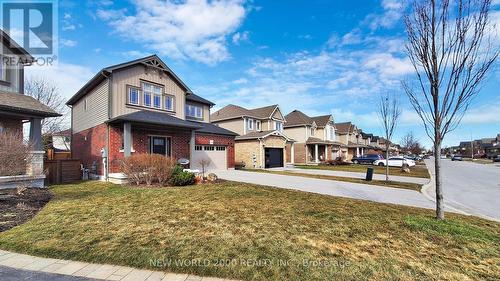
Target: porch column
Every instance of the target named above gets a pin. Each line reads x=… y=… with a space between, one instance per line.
x=292 y=153
x=35 y=165
x=316 y=153
x=357 y=151
x=326 y=152
x=127 y=139
x=362 y=151
x=192 y=143
x=36 y=133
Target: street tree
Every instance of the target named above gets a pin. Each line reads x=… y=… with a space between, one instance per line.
x=389 y=112
x=450 y=46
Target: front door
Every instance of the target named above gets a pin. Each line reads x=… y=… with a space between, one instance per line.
x=160 y=145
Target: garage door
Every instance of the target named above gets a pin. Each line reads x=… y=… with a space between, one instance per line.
x=274 y=157
x=215 y=155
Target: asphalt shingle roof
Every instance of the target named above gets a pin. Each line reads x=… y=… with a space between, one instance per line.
x=209 y=128
x=321 y=121
x=24 y=104
x=234 y=111
x=155 y=118
x=297 y=118
x=196 y=98
x=344 y=127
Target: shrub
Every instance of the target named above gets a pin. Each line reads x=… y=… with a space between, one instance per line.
x=148 y=168
x=182 y=179
x=14 y=154
x=177 y=170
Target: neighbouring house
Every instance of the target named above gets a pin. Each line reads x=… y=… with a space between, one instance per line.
x=260 y=142
x=17 y=108
x=315 y=138
x=59 y=145
x=142 y=106
x=350 y=135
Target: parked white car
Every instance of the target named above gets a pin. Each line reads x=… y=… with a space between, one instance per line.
x=396 y=161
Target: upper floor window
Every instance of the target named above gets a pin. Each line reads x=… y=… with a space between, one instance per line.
x=194 y=111
x=169 y=103
x=151 y=90
x=278 y=126
x=258 y=125
x=250 y=124
x=311 y=131
x=133 y=96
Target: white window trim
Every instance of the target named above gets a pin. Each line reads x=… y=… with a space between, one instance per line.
x=250 y=124
x=276 y=126
x=130 y=96
x=195 y=109
x=258 y=125
x=165 y=102
x=161 y=101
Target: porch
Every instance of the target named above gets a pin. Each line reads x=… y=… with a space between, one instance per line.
x=16 y=110
x=320 y=151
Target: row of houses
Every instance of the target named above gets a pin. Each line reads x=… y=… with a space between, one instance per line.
x=480 y=148
x=142 y=106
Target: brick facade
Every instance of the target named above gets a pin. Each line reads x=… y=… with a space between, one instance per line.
x=86 y=146
x=228 y=141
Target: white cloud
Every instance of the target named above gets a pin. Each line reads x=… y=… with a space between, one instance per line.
x=240 y=37
x=69 y=78
x=393 y=12
x=195 y=29
x=67 y=42
x=135 y=54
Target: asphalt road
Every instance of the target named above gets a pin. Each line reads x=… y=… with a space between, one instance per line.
x=470 y=187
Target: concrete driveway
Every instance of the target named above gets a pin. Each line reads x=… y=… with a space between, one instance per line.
x=335 y=188
x=353 y=175
x=470 y=187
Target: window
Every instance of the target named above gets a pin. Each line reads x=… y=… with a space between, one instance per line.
x=169 y=103
x=220 y=148
x=311 y=131
x=157 y=101
x=209 y=148
x=257 y=125
x=250 y=124
x=133 y=96
x=278 y=126
x=194 y=111
x=152 y=90
x=198 y=147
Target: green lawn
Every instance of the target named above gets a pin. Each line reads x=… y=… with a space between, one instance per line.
x=374 y=183
x=315 y=237
x=419 y=171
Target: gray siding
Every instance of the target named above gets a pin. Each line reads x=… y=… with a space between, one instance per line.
x=97 y=108
x=12 y=75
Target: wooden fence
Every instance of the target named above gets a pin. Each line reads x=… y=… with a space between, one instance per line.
x=62 y=171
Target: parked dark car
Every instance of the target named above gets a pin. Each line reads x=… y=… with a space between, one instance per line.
x=456 y=158
x=367 y=159
x=496 y=159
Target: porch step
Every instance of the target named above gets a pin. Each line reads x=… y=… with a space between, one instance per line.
x=289 y=165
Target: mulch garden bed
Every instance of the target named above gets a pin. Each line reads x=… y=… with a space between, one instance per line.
x=15 y=209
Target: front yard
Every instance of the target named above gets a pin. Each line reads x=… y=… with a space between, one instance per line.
x=419 y=171
x=251 y=232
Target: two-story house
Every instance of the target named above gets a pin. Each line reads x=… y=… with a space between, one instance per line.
x=350 y=135
x=260 y=142
x=315 y=138
x=17 y=108
x=142 y=106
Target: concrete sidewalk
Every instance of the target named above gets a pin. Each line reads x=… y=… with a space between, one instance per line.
x=352 y=175
x=15 y=266
x=374 y=193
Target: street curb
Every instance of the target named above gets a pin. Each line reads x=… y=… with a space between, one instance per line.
x=431 y=183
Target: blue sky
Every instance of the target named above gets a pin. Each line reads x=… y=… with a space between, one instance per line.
x=316 y=56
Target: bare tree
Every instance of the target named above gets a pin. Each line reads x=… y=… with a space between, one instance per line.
x=389 y=112
x=47 y=93
x=451 y=52
x=204 y=163
x=410 y=144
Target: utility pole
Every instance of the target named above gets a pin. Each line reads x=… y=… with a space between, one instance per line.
x=471 y=148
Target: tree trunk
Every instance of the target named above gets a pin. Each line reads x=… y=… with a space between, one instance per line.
x=437 y=172
x=387 y=159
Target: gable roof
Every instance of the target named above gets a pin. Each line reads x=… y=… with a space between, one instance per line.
x=232 y=111
x=322 y=120
x=297 y=118
x=152 y=61
x=15 y=48
x=19 y=103
x=343 y=128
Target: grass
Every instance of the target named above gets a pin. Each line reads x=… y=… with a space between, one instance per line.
x=419 y=171
x=260 y=233
x=375 y=183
